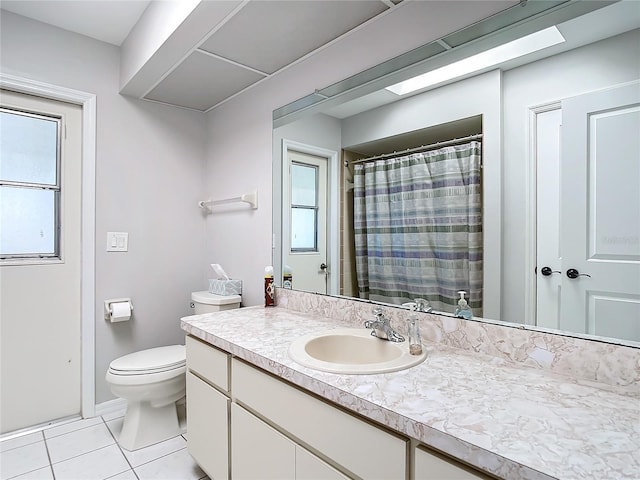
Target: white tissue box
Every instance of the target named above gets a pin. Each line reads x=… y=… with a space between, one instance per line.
x=225 y=287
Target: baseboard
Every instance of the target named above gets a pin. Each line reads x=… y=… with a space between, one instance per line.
x=39 y=427
x=110 y=406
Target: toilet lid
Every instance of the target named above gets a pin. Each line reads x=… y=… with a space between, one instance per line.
x=153 y=360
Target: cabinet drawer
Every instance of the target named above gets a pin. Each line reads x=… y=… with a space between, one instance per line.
x=208 y=362
x=358 y=446
x=432 y=465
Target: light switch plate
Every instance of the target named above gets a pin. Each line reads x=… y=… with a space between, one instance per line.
x=117 y=241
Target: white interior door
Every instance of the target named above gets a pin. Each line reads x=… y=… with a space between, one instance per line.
x=600 y=213
x=40 y=296
x=305 y=221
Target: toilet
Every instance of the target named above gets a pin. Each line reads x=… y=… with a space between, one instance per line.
x=152 y=382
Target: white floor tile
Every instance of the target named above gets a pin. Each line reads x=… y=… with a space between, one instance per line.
x=71 y=426
x=40 y=474
x=153 y=452
x=79 y=442
x=128 y=475
x=21 y=441
x=97 y=465
x=23 y=459
x=171 y=467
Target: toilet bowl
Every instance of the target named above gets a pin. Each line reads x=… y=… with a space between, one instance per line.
x=151 y=381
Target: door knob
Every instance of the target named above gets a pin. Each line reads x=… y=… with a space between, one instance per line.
x=323 y=266
x=573 y=273
x=546 y=271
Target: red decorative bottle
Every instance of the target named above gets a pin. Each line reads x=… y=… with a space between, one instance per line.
x=269 y=288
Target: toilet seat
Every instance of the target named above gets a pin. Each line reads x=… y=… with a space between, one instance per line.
x=153 y=360
x=148 y=366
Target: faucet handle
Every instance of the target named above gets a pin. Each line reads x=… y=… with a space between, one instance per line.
x=378 y=311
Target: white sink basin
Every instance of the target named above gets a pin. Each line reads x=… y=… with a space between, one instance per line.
x=353 y=351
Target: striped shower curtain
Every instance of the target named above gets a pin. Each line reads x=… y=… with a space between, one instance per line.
x=418 y=227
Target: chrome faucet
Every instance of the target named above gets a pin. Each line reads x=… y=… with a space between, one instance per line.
x=422 y=305
x=382 y=328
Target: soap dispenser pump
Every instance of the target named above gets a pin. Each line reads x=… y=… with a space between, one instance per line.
x=463 y=310
x=415 y=341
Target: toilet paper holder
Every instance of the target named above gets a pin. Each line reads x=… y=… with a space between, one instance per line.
x=108 y=309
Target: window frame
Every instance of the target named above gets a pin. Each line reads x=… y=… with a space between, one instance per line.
x=315 y=209
x=56 y=256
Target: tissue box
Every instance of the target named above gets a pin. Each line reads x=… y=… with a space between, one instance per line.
x=225 y=287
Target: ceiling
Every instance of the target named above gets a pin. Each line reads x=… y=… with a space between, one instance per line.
x=254 y=41
x=106 y=20
x=260 y=39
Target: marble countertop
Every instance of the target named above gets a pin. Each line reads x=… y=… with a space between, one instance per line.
x=511 y=421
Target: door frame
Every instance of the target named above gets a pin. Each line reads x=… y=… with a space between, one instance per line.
x=333 y=196
x=87 y=256
x=531 y=213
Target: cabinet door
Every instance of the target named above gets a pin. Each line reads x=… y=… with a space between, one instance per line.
x=208 y=427
x=310 y=467
x=258 y=451
x=433 y=466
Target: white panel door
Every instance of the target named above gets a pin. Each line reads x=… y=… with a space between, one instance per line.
x=40 y=299
x=600 y=213
x=305 y=225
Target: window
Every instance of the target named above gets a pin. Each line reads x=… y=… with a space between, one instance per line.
x=29 y=185
x=304 y=207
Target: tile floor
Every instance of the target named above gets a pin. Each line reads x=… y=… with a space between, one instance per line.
x=87 y=450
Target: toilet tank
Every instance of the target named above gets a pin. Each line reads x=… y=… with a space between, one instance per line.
x=205 y=302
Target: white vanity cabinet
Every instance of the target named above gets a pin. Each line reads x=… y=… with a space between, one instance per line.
x=260 y=451
x=355 y=445
x=245 y=423
x=430 y=465
x=208 y=407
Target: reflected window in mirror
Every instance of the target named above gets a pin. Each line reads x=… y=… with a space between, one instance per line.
x=304 y=208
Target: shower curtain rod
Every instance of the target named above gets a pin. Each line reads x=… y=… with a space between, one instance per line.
x=417 y=149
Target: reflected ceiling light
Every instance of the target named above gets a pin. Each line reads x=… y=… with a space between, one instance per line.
x=494 y=56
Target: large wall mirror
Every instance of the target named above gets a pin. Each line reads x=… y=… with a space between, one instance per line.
x=515 y=180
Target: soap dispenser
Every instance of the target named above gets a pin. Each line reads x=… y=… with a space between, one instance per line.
x=463 y=310
x=415 y=341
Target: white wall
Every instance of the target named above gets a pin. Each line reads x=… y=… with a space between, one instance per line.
x=584 y=69
x=148 y=181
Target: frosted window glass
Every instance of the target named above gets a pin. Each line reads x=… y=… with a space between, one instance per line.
x=303 y=229
x=28 y=149
x=303 y=185
x=27 y=221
